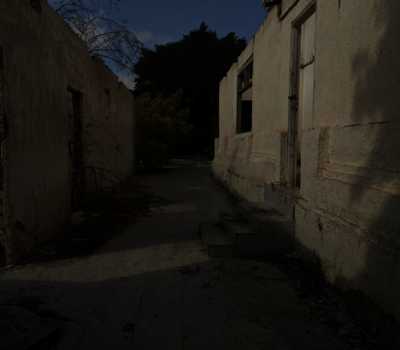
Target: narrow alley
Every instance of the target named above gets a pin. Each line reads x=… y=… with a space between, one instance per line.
x=217 y=176
x=154 y=286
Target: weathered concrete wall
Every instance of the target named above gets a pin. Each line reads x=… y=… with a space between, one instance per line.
x=347 y=207
x=109 y=125
x=42 y=59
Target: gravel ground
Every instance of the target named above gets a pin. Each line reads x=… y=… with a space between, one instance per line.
x=132 y=273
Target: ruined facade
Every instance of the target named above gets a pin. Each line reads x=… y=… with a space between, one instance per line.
x=309 y=126
x=66 y=124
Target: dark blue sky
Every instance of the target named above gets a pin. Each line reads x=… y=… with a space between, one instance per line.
x=159 y=21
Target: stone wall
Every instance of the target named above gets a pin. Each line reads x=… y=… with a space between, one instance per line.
x=346 y=209
x=43 y=58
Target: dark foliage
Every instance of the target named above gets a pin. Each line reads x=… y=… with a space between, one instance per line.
x=194 y=65
x=161 y=128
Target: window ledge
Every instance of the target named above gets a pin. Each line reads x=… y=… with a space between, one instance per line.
x=243 y=134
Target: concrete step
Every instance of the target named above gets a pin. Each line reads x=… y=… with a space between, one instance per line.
x=219 y=243
x=229 y=236
x=235 y=227
x=277 y=230
x=262 y=235
x=247 y=241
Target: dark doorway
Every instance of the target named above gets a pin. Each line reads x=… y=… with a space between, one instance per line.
x=3 y=143
x=75 y=146
x=301 y=97
x=3 y=256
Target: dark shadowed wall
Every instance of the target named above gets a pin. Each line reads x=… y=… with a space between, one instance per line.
x=347 y=207
x=44 y=61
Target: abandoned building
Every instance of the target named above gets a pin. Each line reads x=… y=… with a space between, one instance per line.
x=309 y=127
x=66 y=124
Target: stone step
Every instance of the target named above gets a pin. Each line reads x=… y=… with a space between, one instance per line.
x=218 y=242
x=247 y=241
x=235 y=227
x=232 y=237
x=276 y=231
x=257 y=238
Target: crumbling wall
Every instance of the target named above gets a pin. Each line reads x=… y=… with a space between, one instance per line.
x=109 y=130
x=43 y=58
x=346 y=208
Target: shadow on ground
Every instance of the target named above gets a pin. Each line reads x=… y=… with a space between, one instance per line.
x=217 y=304
x=153 y=285
x=103 y=216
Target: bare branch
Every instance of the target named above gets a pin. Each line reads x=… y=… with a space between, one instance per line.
x=105 y=37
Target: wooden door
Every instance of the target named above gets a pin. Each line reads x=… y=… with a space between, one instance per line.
x=301 y=94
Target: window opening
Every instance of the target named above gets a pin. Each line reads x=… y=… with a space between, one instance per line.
x=245 y=98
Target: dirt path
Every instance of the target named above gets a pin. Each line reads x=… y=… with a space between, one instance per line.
x=154 y=287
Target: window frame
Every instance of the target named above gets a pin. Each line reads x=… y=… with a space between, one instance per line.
x=244 y=83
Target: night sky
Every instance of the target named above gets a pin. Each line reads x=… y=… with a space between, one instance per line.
x=160 y=21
